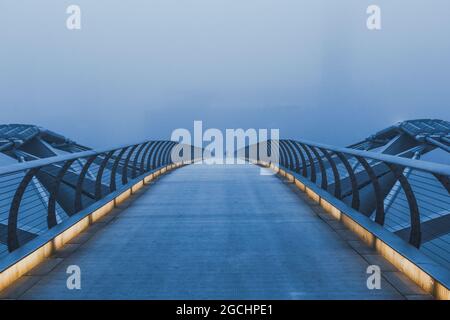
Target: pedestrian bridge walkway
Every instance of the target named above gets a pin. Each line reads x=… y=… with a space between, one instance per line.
x=216 y=232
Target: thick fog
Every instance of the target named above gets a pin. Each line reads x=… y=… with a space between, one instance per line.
x=139 y=69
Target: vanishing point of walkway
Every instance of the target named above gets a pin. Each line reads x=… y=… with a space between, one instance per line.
x=215 y=232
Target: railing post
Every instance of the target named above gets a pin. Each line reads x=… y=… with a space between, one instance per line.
x=112 y=184
x=12 y=237
x=79 y=188
x=126 y=164
x=379 y=200
x=51 y=209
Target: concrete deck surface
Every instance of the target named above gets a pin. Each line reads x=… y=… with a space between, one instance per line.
x=216 y=232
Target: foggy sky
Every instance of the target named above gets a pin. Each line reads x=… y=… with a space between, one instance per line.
x=139 y=69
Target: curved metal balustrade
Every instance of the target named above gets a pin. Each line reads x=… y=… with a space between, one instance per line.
x=38 y=195
x=408 y=197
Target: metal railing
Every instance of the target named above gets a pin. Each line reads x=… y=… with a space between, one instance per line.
x=410 y=198
x=35 y=196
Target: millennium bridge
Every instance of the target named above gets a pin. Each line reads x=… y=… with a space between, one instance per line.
x=136 y=223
